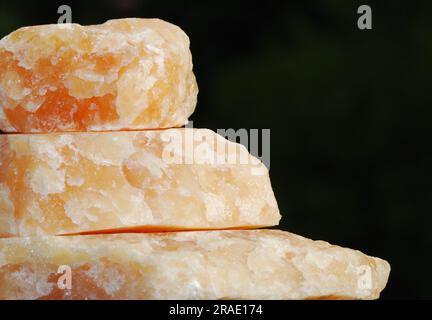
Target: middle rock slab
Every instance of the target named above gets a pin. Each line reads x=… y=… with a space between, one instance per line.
x=142 y=181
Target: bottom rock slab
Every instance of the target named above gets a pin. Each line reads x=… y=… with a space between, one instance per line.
x=234 y=264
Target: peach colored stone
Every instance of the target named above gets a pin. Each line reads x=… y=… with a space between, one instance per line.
x=145 y=180
x=252 y=264
x=123 y=74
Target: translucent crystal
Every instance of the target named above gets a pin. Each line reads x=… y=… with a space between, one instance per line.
x=248 y=264
x=123 y=74
x=156 y=180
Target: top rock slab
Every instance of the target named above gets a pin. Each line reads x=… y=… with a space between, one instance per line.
x=123 y=74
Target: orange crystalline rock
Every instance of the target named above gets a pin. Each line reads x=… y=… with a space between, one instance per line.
x=240 y=264
x=123 y=74
x=142 y=181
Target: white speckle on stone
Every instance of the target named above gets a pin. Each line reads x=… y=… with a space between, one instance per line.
x=33 y=284
x=75 y=181
x=215 y=207
x=184 y=192
x=32 y=106
x=46 y=181
x=79 y=210
x=114 y=282
x=42 y=91
x=321 y=259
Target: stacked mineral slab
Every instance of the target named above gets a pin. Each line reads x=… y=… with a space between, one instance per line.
x=144 y=211
x=124 y=74
x=143 y=180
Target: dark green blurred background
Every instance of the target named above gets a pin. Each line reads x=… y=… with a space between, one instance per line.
x=349 y=110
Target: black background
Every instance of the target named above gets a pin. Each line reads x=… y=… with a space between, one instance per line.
x=349 y=110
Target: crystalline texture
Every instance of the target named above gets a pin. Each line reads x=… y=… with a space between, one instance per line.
x=146 y=180
x=123 y=74
x=248 y=264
